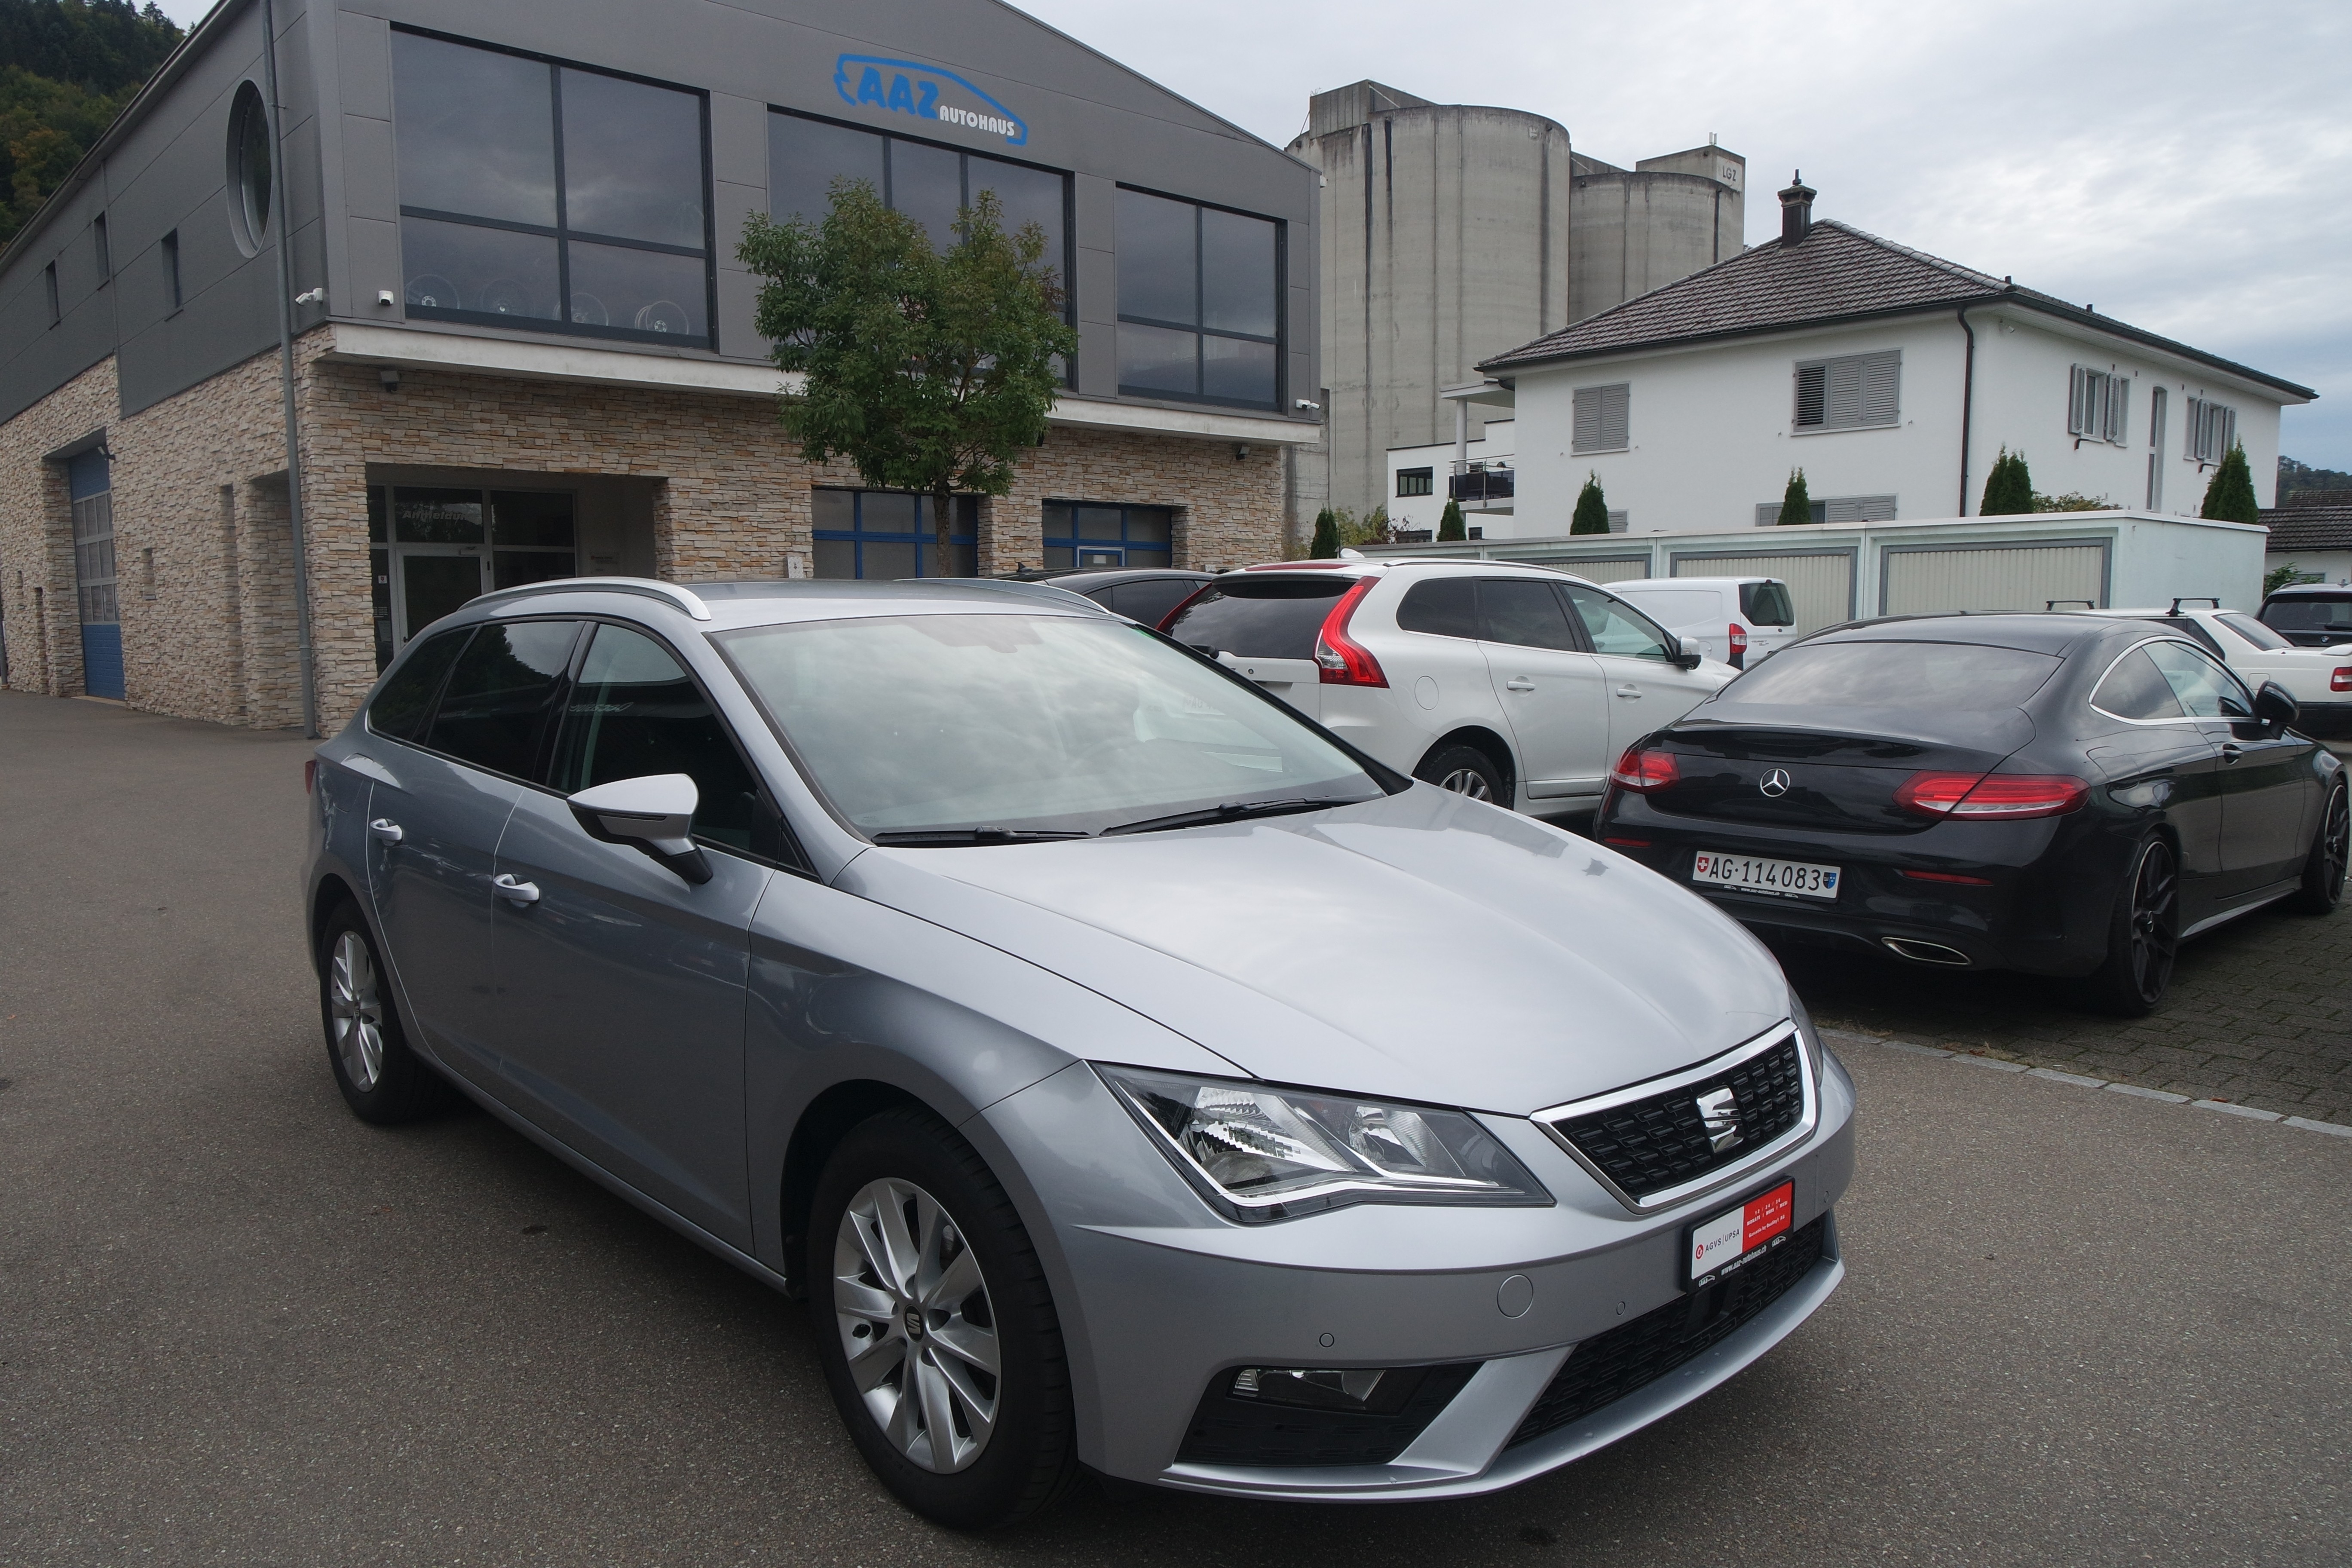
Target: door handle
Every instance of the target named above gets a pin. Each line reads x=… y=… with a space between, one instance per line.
x=1519 y=683
x=1632 y=691
x=2231 y=752
x=514 y=891
x=384 y=827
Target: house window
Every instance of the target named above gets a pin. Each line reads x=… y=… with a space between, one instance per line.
x=1200 y=303
x=170 y=248
x=49 y=292
x=538 y=194
x=1097 y=534
x=2098 y=405
x=888 y=534
x=1856 y=392
x=99 y=250
x=1837 y=508
x=1602 y=423
x=1416 y=481
x=2212 y=430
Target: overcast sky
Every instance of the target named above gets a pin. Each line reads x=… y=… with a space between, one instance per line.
x=2182 y=165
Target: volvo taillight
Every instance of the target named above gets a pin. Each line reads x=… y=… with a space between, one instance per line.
x=1990 y=797
x=1344 y=660
x=1642 y=771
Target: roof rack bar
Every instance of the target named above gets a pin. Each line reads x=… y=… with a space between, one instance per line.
x=668 y=592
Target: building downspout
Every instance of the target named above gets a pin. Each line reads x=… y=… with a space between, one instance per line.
x=286 y=371
x=1968 y=399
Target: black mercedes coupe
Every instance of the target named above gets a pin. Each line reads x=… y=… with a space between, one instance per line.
x=2053 y=794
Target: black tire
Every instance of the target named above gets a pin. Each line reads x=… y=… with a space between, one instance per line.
x=1464 y=770
x=2331 y=848
x=1028 y=1458
x=382 y=1080
x=2143 y=934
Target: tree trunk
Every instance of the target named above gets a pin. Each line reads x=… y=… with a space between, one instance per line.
x=942 y=520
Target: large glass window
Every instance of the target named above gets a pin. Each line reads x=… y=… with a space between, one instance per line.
x=433 y=548
x=887 y=534
x=1200 y=302
x=534 y=193
x=927 y=182
x=1087 y=533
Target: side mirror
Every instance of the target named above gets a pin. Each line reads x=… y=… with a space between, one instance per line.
x=1687 y=654
x=2274 y=707
x=653 y=815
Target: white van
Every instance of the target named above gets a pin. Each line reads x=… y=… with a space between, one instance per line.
x=1738 y=620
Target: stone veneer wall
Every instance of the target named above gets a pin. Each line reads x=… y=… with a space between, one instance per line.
x=199 y=481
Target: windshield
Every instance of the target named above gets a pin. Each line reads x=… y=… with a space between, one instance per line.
x=2311 y=614
x=1923 y=675
x=1024 y=724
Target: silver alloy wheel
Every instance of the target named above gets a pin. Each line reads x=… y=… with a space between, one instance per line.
x=1469 y=781
x=917 y=1325
x=355 y=1005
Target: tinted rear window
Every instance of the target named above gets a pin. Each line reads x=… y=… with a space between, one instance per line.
x=1923 y=675
x=408 y=696
x=1272 y=617
x=1442 y=606
x=1767 y=604
x=2311 y=614
x=1151 y=600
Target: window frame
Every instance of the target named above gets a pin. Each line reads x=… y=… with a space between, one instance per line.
x=1426 y=476
x=1072 y=542
x=2098 y=405
x=173 y=294
x=101 y=251
x=49 y=294
x=1667 y=642
x=561 y=233
x=857 y=534
x=2208 y=417
x=1280 y=339
x=1825 y=364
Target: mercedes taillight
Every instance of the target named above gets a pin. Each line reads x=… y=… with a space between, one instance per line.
x=1990 y=797
x=1643 y=770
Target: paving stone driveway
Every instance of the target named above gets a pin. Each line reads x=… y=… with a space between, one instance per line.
x=2260 y=1014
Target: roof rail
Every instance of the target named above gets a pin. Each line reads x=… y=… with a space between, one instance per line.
x=670 y=593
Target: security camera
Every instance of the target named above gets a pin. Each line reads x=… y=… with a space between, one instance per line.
x=1307 y=406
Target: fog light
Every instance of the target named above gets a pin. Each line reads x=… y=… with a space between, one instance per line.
x=1377 y=1388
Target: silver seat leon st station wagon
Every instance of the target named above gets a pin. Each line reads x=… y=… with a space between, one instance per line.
x=1128 y=1074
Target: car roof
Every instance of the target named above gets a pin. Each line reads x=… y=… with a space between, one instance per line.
x=1367 y=568
x=720 y=606
x=1689 y=582
x=2310 y=591
x=2028 y=631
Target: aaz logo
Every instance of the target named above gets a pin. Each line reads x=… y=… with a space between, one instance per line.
x=903 y=87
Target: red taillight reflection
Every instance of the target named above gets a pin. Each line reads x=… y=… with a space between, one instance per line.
x=310 y=774
x=1643 y=770
x=2342 y=679
x=1945 y=877
x=1990 y=797
x=1344 y=660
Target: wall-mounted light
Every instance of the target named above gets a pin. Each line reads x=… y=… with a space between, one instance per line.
x=390 y=378
x=1241 y=453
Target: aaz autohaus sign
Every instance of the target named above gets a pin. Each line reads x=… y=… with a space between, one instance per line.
x=905 y=87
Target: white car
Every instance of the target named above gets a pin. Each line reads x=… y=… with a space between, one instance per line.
x=2318 y=679
x=1739 y=620
x=1514 y=684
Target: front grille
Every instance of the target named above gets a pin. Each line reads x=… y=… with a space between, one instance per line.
x=1227 y=1430
x=1649 y=1145
x=1601 y=1371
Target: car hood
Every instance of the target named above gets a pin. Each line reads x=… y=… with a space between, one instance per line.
x=1418 y=947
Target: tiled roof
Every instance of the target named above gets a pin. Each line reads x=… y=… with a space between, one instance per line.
x=2309 y=527
x=1836 y=273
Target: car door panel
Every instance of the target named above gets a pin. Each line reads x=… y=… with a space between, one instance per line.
x=1647 y=691
x=2265 y=779
x=1550 y=690
x=431 y=841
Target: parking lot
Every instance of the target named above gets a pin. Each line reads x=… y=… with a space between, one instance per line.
x=238 y=1325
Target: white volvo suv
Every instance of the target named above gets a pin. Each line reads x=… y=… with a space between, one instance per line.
x=1514 y=684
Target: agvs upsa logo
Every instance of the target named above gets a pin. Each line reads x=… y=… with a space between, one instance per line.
x=903 y=87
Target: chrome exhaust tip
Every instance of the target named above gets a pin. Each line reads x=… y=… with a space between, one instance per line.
x=1926 y=951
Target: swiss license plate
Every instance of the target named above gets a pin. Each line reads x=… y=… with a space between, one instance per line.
x=1718 y=1247
x=1774 y=878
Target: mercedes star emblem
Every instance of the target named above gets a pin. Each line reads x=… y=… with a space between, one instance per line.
x=1775 y=783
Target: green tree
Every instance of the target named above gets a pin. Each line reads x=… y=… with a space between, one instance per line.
x=2009 y=489
x=930 y=371
x=70 y=66
x=2287 y=577
x=1796 y=505
x=1592 y=508
x=1449 y=523
x=2230 y=497
x=1327 y=536
x=2073 y=501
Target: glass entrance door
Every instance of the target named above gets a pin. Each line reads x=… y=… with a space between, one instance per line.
x=434 y=581
x=433 y=548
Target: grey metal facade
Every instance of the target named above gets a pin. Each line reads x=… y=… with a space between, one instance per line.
x=164 y=170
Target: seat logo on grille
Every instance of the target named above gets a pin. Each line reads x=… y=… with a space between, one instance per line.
x=1774 y=784
x=1719 y=1113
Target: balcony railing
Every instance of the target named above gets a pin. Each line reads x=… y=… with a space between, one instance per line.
x=1482 y=485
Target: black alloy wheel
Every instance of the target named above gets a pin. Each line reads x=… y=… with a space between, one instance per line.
x=1464 y=769
x=2331 y=848
x=2144 y=936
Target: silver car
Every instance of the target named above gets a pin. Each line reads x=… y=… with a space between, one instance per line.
x=1131 y=1075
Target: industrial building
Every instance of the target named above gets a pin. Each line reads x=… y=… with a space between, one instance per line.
x=498 y=245
x=1454 y=232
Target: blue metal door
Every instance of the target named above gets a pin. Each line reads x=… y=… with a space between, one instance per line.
x=88 y=482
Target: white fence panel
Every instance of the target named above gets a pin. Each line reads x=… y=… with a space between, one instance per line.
x=2000 y=577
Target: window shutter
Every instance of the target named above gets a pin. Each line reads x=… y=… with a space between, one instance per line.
x=1882 y=385
x=2229 y=434
x=1812 y=381
x=1616 y=404
x=2118 y=410
x=1587 y=419
x=1767 y=513
x=2192 y=440
x=1618 y=521
x=1855 y=393
x=2077 y=383
x=1602 y=423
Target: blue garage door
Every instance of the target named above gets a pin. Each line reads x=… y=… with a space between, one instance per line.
x=101 y=618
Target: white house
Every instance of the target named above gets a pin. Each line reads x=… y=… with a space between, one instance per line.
x=1477 y=472
x=1891 y=378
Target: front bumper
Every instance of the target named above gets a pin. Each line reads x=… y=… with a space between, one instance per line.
x=1156 y=1314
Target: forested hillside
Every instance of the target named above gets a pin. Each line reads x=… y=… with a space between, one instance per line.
x=67 y=67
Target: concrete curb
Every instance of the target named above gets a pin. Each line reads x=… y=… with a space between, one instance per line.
x=1843 y=1038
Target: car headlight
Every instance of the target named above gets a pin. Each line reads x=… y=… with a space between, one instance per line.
x=1261 y=1153
x=1809 y=1038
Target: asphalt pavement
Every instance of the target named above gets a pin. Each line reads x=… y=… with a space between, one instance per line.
x=238 y=1326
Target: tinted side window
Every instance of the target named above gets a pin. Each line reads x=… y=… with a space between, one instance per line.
x=408 y=696
x=496 y=700
x=634 y=712
x=1615 y=627
x=1443 y=606
x=1149 y=602
x=2135 y=689
x=2206 y=690
x=1268 y=618
x=1525 y=614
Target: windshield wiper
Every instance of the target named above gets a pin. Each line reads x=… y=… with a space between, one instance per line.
x=1232 y=811
x=923 y=836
